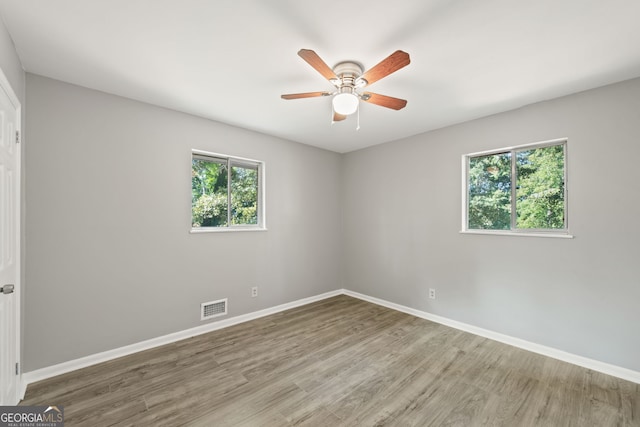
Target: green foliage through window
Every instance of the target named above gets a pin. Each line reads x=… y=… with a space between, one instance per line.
x=519 y=189
x=490 y=192
x=244 y=195
x=224 y=192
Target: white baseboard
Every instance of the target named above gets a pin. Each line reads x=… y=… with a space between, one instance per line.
x=83 y=362
x=595 y=365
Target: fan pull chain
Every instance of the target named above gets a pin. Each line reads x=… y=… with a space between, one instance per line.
x=358 y=122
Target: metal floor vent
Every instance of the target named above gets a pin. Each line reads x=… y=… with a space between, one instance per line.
x=212 y=309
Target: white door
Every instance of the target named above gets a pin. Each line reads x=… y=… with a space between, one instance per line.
x=9 y=245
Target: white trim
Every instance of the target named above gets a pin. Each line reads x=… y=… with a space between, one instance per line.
x=199 y=230
x=465 y=193
x=548 y=143
x=515 y=233
x=224 y=156
x=83 y=362
x=15 y=101
x=595 y=365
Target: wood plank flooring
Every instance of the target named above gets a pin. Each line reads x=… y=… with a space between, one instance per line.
x=339 y=362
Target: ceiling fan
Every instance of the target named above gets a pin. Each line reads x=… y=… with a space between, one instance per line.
x=349 y=79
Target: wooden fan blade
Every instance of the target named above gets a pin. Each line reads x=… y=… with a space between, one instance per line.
x=304 y=95
x=390 y=64
x=316 y=62
x=384 y=101
x=338 y=117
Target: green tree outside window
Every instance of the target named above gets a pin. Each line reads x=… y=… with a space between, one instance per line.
x=220 y=198
x=532 y=198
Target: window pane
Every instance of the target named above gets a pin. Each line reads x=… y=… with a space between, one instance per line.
x=490 y=192
x=244 y=195
x=540 y=188
x=208 y=193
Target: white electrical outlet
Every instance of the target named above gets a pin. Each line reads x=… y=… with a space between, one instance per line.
x=432 y=293
x=254 y=292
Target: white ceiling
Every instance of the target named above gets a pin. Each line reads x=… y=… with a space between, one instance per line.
x=229 y=60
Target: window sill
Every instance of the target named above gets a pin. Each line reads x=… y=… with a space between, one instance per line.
x=203 y=230
x=558 y=235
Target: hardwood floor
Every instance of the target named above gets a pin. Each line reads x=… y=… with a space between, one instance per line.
x=339 y=362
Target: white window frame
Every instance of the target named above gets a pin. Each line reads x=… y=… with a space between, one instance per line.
x=558 y=233
x=242 y=162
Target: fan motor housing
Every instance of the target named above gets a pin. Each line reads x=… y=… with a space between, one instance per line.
x=349 y=73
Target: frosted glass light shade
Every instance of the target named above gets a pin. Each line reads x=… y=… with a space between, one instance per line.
x=345 y=103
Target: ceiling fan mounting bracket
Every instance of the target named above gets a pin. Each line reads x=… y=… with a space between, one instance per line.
x=348 y=68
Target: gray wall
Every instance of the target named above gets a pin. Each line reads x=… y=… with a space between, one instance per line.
x=110 y=260
x=402 y=207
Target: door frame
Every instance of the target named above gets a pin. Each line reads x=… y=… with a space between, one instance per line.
x=8 y=89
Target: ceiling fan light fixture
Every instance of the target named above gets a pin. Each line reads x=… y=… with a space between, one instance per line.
x=345 y=103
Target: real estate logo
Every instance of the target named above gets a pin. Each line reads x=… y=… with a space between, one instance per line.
x=31 y=416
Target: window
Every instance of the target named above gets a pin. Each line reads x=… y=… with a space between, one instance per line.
x=521 y=189
x=226 y=193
